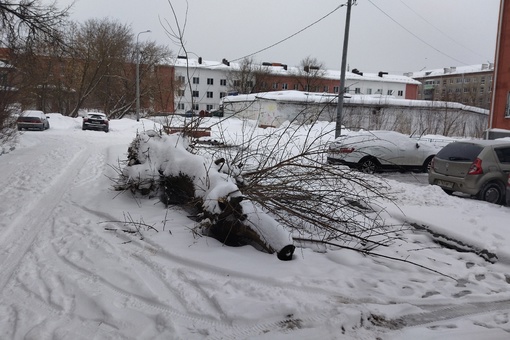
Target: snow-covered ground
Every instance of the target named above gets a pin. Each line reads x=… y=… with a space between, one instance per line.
x=69 y=271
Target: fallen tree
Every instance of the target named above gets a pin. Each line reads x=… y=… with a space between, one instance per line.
x=162 y=166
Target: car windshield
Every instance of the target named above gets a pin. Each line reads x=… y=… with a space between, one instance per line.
x=460 y=152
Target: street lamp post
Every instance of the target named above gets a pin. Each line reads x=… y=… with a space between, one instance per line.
x=138 y=76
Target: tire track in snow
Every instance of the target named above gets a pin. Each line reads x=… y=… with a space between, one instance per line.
x=29 y=222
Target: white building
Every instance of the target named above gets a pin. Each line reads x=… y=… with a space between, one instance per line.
x=360 y=112
x=204 y=83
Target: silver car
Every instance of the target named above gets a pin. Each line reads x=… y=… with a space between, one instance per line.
x=479 y=168
x=33 y=119
x=374 y=151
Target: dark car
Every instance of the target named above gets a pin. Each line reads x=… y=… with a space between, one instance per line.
x=479 y=168
x=33 y=119
x=96 y=121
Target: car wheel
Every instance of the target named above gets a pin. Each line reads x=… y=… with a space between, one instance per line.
x=426 y=165
x=83 y=128
x=492 y=192
x=20 y=128
x=106 y=130
x=447 y=191
x=368 y=165
x=42 y=128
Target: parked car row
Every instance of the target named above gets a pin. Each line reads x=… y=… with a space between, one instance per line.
x=479 y=168
x=37 y=120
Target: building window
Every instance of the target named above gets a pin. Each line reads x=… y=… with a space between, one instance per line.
x=181 y=93
x=444 y=82
x=223 y=82
x=196 y=94
x=285 y=86
x=482 y=80
x=237 y=83
x=180 y=106
x=369 y=91
x=195 y=107
x=210 y=81
x=296 y=87
x=481 y=90
x=451 y=81
x=209 y=94
x=181 y=79
x=222 y=94
x=466 y=90
x=336 y=89
x=326 y=89
x=459 y=80
x=249 y=84
x=401 y=93
x=357 y=90
x=306 y=88
x=210 y=107
x=390 y=92
x=275 y=86
x=196 y=80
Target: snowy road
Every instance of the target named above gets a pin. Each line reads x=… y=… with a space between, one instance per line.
x=69 y=271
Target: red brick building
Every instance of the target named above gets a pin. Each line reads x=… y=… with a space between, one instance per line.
x=500 y=111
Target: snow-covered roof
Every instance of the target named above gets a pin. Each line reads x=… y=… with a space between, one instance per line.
x=313 y=97
x=452 y=70
x=293 y=71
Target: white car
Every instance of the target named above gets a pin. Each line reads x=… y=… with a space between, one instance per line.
x=373 y=151
x=33 y=119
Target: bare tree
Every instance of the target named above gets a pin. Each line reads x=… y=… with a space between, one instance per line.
x=310 y=74
x=24 y=21
x=22 y=24
x=248 y=77
x=100 y=50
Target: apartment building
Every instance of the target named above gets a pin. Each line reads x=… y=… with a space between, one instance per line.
x=201 y=84
x=469 y=85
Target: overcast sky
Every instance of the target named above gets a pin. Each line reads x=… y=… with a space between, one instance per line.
x=395 y=36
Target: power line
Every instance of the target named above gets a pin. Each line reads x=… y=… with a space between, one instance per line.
x=292 y=35
x=416 y=36
x=440 y=31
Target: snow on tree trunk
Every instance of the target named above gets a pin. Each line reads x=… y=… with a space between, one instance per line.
x=162 y=166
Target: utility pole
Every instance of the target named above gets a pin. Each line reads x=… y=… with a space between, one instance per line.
x=341 y=90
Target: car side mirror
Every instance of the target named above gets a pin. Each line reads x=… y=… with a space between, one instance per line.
x=417 y=145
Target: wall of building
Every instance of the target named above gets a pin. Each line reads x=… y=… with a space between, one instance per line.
x=500 y=110
x=469 y=85
x=363 y=112
x=278 y=79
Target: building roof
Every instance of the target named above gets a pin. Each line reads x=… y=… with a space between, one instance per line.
x=489 y=67
x=314 y=97
x=293 y=71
